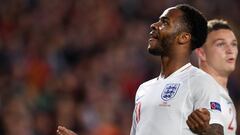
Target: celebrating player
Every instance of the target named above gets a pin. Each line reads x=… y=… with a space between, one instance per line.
x=163 y=104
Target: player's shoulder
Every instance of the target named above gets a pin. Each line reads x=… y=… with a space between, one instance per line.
x=201 y=76
x=203 y=84
x=143 y=88
x=202 y=81
x=149 y=82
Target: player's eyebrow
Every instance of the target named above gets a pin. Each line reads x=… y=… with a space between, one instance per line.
x=218 y=39
x=164 y=18
x=221 y=39
x=235 y=40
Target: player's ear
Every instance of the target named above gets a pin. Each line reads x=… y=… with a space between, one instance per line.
x=200 y=54
x=184 y=38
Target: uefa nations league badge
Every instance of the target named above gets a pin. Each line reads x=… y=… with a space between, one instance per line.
x=170 y=91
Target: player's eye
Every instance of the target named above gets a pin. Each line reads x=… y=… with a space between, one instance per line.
x=220 y=44
x=164 y=21
x=235 y=44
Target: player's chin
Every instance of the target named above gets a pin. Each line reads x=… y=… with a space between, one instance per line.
x=154 y=51
x=231 y=69
x=228 y=70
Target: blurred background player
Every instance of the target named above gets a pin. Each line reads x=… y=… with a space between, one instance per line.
x=218 y=58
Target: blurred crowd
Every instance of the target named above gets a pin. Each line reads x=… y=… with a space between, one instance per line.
x=78 y=63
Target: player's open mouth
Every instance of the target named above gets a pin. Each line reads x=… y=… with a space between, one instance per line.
x=230 y=60
x=153 y=35
x=151 y=39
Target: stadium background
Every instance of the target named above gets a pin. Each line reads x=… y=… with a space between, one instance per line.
x=78 y=63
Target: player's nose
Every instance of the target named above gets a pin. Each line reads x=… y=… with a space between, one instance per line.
x=154 y=26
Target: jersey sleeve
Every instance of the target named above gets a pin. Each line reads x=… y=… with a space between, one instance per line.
x=207 y=95
x=133 y=128
x=134 y=119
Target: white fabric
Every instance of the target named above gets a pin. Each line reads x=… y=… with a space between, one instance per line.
x=229 y=113
x=157 y=113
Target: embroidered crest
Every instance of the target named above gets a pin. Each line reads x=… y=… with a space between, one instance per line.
x=170 y=91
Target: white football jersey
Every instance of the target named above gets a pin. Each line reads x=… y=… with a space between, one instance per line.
x=162 y=105
x=229 y=113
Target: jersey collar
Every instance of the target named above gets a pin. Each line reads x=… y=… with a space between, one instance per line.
x=183 y=68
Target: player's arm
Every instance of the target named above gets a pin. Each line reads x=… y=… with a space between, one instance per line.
x=64 y=131
x=215 y=129
x=198 y=122
x=135 y=116
x=134 y=123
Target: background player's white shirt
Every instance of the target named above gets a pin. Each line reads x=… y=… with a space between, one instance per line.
x=229 y=113
x=162 y=105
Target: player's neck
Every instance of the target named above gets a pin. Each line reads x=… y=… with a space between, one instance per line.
x=222 y=81
x=170 y=65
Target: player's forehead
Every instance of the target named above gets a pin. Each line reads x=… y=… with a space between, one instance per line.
x=222 y=34
x=172 y=13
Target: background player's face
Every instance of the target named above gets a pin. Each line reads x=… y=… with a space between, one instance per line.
x=164 y=32
x=221 y=49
